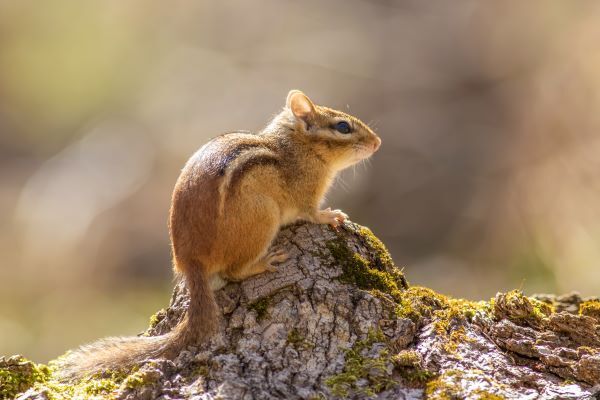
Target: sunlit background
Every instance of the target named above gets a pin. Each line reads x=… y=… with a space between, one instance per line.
x=488 y=178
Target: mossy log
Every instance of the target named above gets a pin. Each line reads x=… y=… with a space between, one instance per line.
x=339 y=320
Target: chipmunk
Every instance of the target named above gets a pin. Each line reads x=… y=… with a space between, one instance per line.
x=229 y=202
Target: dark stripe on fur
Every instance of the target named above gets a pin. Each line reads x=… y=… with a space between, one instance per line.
x=244 y=168
x=233 y=153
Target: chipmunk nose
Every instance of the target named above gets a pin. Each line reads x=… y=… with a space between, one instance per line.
x=376 y=144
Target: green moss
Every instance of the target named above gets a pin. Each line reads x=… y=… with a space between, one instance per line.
x=134 y=381
x=375 y=336
x=382 y=255
x=444 y=386
x=18 y=374
x=360 y=368
x=520 y=309
x=485 y=395
x=454 y=339
x=297 y=340
x=449 y=316
x=378 y=272
x=416 y=376
x=261 y=308
x=408 y=363
x=358 y=271
x=102 y=385
x=140 y=379
x=407 y=358
x=417 y=302
x=383 y=280
x=448 y=386
x=96 y=387
x=591 y=308
x=157 y=317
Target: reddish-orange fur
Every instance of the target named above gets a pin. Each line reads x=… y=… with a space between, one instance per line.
x=229 y=202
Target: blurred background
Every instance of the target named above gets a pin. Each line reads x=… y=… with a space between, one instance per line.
x=488 y=178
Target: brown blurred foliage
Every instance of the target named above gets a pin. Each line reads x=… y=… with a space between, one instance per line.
x=488 y=177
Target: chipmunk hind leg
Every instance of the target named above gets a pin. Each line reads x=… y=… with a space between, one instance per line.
x=252 y=254
x=263 y=264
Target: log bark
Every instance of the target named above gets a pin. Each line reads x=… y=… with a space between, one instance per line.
x=339 y=320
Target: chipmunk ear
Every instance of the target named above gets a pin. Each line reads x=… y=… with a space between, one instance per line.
x=300 y=105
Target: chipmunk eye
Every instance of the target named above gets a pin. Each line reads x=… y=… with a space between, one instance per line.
x=343 y=127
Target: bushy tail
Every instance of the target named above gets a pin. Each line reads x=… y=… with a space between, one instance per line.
x=115 y=353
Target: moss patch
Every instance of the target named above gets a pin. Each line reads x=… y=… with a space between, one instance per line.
x=448 y=386
x=416 y=376
x=364 y=274
x=261 y=308
x=157 y=317
x=364 y=374
x=140 y=379
x=407 y=358
x=591 y=308
x=418 y=302
x=380 y=252
x=520 y=309
x=381 y=278
x=372 y=368
x=409 y=365
x=444 y=388
x=98 y=386
x=485 y=395
x=93 y=387
x=18 y=374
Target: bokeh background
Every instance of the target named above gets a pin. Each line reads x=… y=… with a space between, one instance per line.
x=488 y=178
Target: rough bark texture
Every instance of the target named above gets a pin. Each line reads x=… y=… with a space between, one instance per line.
x=339 y=320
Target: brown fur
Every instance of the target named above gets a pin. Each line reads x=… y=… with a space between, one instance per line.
x=228 y=204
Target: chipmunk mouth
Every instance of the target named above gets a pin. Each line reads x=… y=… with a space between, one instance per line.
x=358 y=153
x=366 y=151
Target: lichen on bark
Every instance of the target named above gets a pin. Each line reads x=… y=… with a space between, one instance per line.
x=338 y=319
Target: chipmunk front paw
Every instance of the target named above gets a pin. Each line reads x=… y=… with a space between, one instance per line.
x=331 y=217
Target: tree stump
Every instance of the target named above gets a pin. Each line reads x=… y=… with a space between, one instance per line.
x=339 y=320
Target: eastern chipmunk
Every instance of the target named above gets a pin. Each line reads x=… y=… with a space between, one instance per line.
x=229 y=202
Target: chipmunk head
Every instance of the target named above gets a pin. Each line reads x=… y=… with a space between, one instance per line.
x=340 y=139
